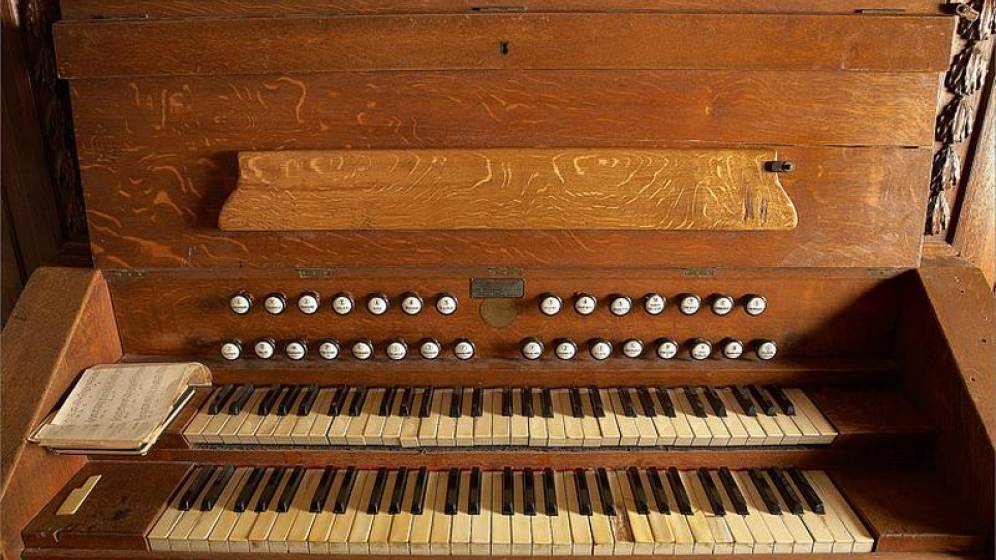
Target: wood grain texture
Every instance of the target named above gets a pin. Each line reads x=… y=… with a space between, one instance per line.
x=945 y=346
x=975 y=222
x=533 y=189
x=833 y=314
x=62 y=324
x=108 y=9
x=503 y=41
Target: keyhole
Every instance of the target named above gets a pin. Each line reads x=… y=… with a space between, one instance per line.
x=503 y=48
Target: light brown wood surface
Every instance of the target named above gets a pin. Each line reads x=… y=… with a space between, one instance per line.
x=531 y=189
x=634 y=41
x=975 y=225
x=61 y=325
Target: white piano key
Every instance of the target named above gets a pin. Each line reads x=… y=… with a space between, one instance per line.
x=835 y=501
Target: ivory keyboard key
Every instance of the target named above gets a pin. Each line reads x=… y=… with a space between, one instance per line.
x=823 y=540
x=312 y=429
x=380 y=530
x=628 y=432
x=721 y=535
x=683 y=435
x=157 y=536
x=739 y=434
x=636 y=513
x=602 y=532
x=697 y=522
x=460 y=530
x=622 y=535
x=702 y=435
x=772 y=429
x=230 y=432
x=717 y=427
x=439 y=540
x=501 y=518
x=267 y=510
x=559 y=515
x=423 y=499
x=666 y=434
x=484 y=424
x=465 y=423
x=522 y=400
x=408 y=436
x=604 y=411
x=294 y=500
x=341 y=420
x=539 y=522
x=573 y=436
x=352 y=527
x=501 y=423
x=428 y=432
x=538 y=424
x=521 y=529
x=743 y=541
x=780 y=535
x=288 y=417
x=480 y=525
x=189 y=507
x=307 y=413
x=589 y=422
x=826 y=433
x=398 y=541
x=193 y=429
x=236 y=538
x=791 y=434
x=657 y=512
x=310 y=502
x=834 y=501
x=349 y=501
x=198 y=537
x=264 y=431
x=763 y=541
x=220 y=413
x=579 y=516
x=645 y=428
x=366 y=401
x=373 y=429
x=684 y=540
x=446 y=435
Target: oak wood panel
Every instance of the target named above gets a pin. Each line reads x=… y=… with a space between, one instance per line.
x=106 y=9
x=503 y=41
x=62 y=324
x=533 y=189
x=808 y=314
x=945 y=347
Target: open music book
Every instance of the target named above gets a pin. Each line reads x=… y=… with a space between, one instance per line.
x=120 y=408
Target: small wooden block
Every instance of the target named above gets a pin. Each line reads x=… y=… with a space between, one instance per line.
x=76 y=498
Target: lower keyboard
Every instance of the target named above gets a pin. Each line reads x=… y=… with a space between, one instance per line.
x=508 y=512
x=520 y=416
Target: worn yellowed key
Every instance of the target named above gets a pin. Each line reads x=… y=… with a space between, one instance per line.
x=198 y=537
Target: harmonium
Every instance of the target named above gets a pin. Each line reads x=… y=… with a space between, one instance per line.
x=511 y=278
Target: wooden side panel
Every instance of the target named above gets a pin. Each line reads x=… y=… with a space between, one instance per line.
x=503 y=41
x=62 y=324
x=532 y=189
x=946 y=349
x=975 y=225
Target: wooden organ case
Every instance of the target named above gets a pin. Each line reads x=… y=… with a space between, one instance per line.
x=528 y=278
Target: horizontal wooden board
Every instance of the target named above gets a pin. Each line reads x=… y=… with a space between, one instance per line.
x=267 y=45
x=509 y=189
x=108 y=9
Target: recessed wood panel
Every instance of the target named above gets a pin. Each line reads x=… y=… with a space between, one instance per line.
x=633 y=41
x=511 y=189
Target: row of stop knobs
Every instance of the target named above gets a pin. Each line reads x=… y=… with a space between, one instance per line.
x=531 y=348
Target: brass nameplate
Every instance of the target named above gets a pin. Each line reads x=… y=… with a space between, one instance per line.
x=490 y=288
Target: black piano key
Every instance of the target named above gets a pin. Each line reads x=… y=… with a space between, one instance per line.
x=269 y=399
x=712 y=493
x=200 y=481
x=667 y=405
x=284 y=408
x=782 y=399
x=322 y=491
x=750 y=409
x=506 y=491
x=474 y=499
x=425 y=408
x=715 y=402
x=627 y=403
x=398 y=494
x=240 y=399
x=577 y=409
x=506 y=401
x=657 y=488
x=270 y=490
x=808 y=492
x=377 y=494
x=387 y=402
x=550 y=492
x=356 y=403
x=338 y=400
x=407 y=400
x=342 y=498
x=418 y=494
x=290 y=490
x=693 y=398
x=646 y=403
x=248 y=489
x=584 y=494
x=764 y=489
x=605 y=492
x=762 y=401
x=733 y=491
x=597 y=406
x=639 y=494
x=217 y=487
x=308 y=401
x=527 y=402
x=452 y=492
x=220 y=398
x=477 y=402
x=678 y=489
x=528 y=492
x=787 y=493
x=456 y=402
x=546 y=402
